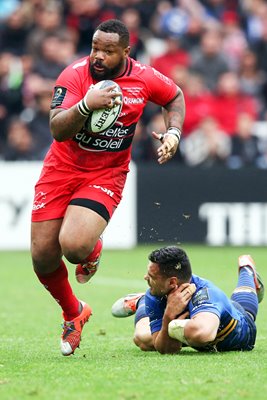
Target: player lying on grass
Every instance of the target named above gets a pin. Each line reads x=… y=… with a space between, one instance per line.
x=181 y=308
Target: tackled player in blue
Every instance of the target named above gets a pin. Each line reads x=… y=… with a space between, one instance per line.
x=182 y=309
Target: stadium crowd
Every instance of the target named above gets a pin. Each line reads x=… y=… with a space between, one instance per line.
x=215 y=50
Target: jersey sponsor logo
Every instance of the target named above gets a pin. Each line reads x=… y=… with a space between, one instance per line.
x=113 y=139
x=200 y=297
x=58 y=97
x=103 y=145
x=133 y=100
x=133 y=90
x=39 y=201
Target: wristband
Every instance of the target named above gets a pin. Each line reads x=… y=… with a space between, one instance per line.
x=83 y=108
x=174 y=131
x=176 y=329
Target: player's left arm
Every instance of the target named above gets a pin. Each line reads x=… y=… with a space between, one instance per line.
x=173 y=114
x=199 y=331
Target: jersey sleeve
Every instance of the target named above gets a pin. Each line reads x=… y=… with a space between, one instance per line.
x=204 y=300
x=69 y=88
x=161 y=89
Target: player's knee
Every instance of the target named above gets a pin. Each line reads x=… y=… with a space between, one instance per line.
x=75 y=255
x=144 y=342
x=75 y=251
x=142 y=346
x=45 y=259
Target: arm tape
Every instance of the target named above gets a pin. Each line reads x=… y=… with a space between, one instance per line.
x=176 y=329
x=83 y=108
x=174 y=131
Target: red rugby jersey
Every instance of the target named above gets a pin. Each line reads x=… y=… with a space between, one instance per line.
x=139 y=83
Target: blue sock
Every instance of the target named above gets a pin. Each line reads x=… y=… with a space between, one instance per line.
x=141 y=310
x=245 y=291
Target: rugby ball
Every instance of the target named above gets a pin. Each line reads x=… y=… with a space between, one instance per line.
x=102 y=119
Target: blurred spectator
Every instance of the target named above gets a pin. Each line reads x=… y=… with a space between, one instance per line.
x=142 y=149
x=50 y=64
x=20 y=144
x=251 y=77
x=199 y=102
x=174 y=22
x=245 y=145
x=33 y=85
x=234 y=40
x=161 y=8
x=172 y=56
x=214 y=8
x=206 y=146
x=208 y=60
x=131 y=18
x=254 y=17
x=193 y=15
x=14 y=31
x=39 y=125
x=48 y=19
x=84 y=16
x=230 y=102
x=191 y=40
x=260 y=45
x=146 y=9
x=11 y=79
x=180 y=74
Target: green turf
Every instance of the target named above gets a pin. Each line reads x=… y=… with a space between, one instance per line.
x=108 y=366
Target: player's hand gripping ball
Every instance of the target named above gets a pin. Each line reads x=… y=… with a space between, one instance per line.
x=102 y=119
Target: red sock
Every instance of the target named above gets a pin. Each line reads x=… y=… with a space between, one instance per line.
x=58 y=285
x=95 y=254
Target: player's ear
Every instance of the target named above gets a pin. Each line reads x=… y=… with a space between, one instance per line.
x=127 y=51
x=173 y=282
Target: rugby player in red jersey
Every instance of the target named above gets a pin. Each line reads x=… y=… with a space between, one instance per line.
x=84 y=174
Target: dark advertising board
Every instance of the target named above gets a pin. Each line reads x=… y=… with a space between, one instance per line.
x=216 y=206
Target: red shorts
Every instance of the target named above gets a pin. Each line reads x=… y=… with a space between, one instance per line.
x=57 y=188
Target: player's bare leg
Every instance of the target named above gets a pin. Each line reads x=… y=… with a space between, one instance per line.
x=51 y=239
x=86 y=250
x=142 y=335
x=80 y=231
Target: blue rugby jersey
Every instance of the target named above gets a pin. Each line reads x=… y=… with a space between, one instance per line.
x=237 y=331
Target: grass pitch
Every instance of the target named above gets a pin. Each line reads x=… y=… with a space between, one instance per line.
x=108 y=366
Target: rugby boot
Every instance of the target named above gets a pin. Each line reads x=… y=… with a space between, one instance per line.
x=72 y=330
x=246 y=260
x=126 y=306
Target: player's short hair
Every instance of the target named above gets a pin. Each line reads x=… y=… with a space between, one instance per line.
x=116 y=26
x=172 y=261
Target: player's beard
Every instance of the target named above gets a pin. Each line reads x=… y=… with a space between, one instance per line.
x=107 y=73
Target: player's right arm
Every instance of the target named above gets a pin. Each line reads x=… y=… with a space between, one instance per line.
x=74 y=98
x=202 y=329
x=65 y=123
